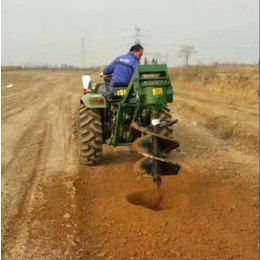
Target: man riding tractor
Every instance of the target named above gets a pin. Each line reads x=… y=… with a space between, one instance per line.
x=123 y=67
x=119 y=72
x=129 y=108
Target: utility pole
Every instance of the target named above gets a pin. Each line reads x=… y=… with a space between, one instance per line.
x=83 y=53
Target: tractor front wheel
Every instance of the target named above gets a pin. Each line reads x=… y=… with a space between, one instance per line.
x=89 y=133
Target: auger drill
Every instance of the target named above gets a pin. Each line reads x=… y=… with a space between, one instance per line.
x=136 y=113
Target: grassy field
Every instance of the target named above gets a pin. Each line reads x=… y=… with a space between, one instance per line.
x=237 y=82
x=10 y=68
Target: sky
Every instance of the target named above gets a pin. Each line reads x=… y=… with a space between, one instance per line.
x=50 y=32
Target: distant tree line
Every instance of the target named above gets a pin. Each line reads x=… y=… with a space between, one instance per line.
x=62 y=67
x=153 y=61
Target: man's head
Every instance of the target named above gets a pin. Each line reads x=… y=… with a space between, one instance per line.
x=137 y=50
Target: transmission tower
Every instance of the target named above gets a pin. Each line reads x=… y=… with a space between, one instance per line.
x=137 y=36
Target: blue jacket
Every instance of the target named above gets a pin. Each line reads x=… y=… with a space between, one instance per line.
x=122 y=68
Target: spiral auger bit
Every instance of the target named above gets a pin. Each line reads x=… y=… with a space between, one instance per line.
x=156 y=148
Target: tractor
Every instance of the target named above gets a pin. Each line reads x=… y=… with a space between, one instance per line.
x=129 y=114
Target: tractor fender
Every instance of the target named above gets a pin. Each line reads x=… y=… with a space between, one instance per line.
x=93 y=101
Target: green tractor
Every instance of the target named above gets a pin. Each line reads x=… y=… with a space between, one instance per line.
x=130 y=114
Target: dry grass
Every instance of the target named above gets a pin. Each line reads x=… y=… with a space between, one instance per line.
x=229 y=81
x=10 y=68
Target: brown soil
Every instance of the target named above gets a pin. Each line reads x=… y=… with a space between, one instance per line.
x=54 y=208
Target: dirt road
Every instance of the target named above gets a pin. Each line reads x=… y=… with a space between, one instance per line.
x=54 y=208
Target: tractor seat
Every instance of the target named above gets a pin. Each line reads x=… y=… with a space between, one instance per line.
x=120 y=85
x=118 y=90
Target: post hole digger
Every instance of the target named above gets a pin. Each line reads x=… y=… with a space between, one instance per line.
x=130 y=114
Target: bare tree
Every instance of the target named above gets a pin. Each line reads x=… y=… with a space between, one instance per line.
x=186 y=52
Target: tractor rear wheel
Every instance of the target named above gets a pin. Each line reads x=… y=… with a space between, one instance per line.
x=165 y=115
x=73 y=124
x=89 y=133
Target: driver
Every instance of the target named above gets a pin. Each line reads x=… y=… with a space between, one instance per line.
x=123 y=67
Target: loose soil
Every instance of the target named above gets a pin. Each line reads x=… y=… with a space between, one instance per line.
x=55 y=208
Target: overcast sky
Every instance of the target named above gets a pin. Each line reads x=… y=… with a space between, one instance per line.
x=50 y=31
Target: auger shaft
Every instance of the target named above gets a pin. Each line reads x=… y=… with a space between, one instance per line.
x=156 y=148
